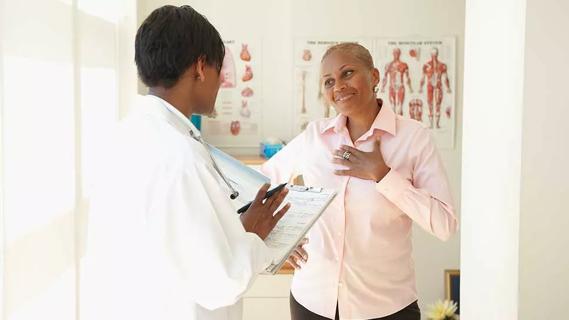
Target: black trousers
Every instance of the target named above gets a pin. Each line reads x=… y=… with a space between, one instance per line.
x=299 y=312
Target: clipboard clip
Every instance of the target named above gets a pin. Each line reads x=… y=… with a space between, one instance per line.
x=305 y=189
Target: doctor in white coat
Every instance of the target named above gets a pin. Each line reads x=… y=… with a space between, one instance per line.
x=164 y=242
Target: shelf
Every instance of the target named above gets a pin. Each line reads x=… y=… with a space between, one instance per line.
x=251 y=160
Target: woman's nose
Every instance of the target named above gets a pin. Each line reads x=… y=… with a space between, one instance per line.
x=339 y=86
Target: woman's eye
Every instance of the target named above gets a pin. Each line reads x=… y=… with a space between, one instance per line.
x=348 y=73
x=328 y=83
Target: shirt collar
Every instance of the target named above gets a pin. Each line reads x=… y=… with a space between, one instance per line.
x=337 y=123
x=384 y=121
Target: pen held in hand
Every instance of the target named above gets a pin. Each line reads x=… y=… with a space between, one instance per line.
x=267 y=195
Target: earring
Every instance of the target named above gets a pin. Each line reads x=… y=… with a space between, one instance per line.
x=375 y=89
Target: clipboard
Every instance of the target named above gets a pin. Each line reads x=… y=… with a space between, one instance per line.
x=307 y=205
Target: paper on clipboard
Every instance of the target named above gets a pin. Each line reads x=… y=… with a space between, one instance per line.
x=307 y=204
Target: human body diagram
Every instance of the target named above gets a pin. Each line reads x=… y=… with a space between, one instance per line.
x=396 y=73
x=435 y=74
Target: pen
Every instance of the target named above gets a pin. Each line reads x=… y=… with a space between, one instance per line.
x=267 y=195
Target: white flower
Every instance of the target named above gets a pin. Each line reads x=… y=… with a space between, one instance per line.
x=442 y=310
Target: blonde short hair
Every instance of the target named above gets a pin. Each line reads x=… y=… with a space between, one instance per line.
x=353 y=49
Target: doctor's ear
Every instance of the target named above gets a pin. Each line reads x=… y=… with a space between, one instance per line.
x=200 y=69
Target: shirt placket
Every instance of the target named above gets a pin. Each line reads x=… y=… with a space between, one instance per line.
x=343 y=292
x=343 y=306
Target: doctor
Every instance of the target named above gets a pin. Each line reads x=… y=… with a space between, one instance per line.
x=164 y=241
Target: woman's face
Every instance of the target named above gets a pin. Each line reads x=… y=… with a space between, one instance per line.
x=347 y=83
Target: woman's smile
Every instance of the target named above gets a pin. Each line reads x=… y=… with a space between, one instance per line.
x=343 y=97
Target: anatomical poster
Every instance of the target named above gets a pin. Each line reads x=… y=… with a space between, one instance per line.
x=308 y=104
x=236 y=121
x=418 y=81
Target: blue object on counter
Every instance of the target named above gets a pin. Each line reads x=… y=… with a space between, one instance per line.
x=269 y=149
x=196 y=120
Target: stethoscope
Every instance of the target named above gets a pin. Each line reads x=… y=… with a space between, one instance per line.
x=234 y=193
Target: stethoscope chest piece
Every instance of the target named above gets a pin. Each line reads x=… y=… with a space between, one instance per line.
x=234 y=193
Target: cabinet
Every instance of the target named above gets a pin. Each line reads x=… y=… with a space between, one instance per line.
x=268 y=298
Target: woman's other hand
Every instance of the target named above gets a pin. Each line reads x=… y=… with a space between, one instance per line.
x=299 y=256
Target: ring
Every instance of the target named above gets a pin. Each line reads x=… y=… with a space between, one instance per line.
x=346 y=155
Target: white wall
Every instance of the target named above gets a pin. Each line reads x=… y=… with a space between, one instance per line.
x=2 y=229
x=491 y=158
x=514 y=237
x=544 y=217
x=38 y=149
x=59 y=88
x=278 y=22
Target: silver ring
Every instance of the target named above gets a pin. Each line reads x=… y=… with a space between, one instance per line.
x=346 y=155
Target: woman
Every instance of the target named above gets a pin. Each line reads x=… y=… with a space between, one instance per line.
x=388 y=174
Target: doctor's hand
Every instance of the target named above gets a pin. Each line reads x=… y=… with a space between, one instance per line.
x=299 y=256
x=361 y=164
x=261 y=218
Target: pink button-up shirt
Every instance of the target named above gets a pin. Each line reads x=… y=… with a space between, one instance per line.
x=359 y=251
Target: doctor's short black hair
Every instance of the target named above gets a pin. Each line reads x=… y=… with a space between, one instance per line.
x=172 y=39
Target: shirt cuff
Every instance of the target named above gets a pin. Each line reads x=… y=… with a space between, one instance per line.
x=266 y=255
x=392 y=185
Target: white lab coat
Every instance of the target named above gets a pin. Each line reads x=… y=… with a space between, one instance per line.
x=164 y=241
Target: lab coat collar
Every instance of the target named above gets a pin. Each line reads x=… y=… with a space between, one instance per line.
x=158 y=106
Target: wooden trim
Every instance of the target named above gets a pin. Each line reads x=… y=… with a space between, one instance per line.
x=448 y=275
x=286 y=269
x=251 y=160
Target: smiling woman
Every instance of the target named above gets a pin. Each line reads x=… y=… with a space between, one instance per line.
x=389 y=175
x=350 y=67
x=348 y=81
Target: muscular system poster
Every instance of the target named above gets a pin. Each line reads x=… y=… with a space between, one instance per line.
x=418 y=81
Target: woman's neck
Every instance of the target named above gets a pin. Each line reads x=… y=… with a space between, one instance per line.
x=359 y=123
